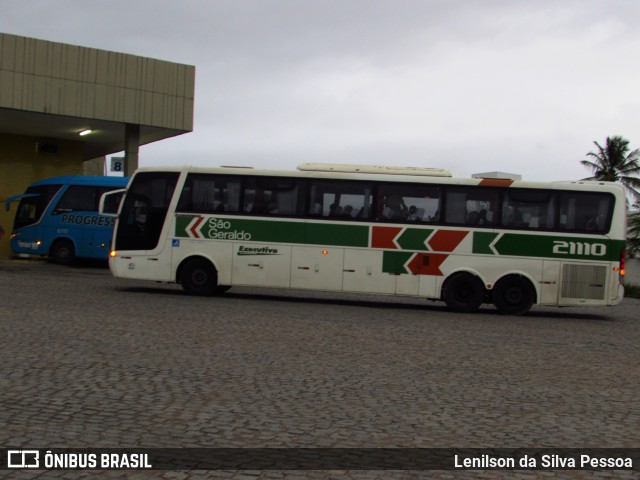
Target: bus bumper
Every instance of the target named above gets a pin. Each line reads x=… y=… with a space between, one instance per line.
x=620 y=296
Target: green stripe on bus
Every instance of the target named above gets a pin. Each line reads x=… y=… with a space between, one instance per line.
x=340 y=235
x=547 y=246
x=414 y=239
x=221 y=228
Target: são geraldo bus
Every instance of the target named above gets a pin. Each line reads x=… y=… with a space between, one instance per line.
x=378 y=230
x=58 y=217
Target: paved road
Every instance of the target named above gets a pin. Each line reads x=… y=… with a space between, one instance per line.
x=93 y=361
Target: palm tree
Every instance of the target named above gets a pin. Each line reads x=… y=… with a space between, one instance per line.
x=633 y=232
x=615 y=163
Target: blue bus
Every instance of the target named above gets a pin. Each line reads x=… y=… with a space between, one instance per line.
x=58 y=217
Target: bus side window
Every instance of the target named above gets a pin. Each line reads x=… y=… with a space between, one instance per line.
x=78 y=198
x=586 y=211
x=529 y=208
x=210 y=194
x=456 y=207
x=340 y=200
x=401 y=202
x=471 y=206
x=270 y=196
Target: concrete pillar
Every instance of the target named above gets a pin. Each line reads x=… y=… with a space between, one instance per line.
x=132 y=145
x=94 y=166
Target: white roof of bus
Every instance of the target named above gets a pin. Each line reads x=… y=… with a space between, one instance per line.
x=342 y=171
x=377 y=169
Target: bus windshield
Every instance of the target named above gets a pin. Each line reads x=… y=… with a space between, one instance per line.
x=33 y=204
x=144 y=211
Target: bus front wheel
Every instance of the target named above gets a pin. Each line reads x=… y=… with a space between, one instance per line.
x=513 y=295
x=463 y=292
x=63 y=252
x=199 y=277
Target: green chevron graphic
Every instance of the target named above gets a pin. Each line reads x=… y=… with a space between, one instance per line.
x=482 y=242
x=414 y=239
x=394 y=262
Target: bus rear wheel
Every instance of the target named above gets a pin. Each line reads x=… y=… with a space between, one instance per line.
x=513 y=295
x=63 y=252
x=199 y=277
x=463 y=292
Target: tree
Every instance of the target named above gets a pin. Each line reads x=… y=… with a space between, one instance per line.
x=615 y=163
x=633 y=232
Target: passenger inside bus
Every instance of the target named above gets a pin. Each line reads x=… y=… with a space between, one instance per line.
x=335 y=210
x=347 y=211
x=395 y=208
x=413 y=214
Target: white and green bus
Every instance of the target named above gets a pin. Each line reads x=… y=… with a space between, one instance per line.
x=376 y=230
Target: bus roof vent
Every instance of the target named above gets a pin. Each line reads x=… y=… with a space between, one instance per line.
x=497 y=175
x=380 y=169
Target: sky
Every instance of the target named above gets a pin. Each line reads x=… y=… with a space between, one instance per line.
x=472 y=86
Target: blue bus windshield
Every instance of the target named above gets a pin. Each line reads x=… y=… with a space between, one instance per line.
x=34 y=203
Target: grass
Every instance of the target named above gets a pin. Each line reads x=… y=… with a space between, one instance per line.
x=632 y=291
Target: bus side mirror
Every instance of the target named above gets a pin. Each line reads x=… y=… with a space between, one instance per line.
x=110 y=202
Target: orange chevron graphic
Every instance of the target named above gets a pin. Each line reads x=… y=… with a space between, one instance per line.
x=427 y=264
x=382 y=237
x=446 y=240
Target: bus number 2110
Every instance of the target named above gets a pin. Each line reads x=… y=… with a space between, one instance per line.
x=579 y=248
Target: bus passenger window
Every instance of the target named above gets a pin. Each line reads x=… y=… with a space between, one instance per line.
x=210 y=194
x=586 y=211
x=409 y=203
x=272 y=196
x=465 y=206
x=78 y=198
x=528 y=209
x=340 y=200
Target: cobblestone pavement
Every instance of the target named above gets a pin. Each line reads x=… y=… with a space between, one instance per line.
x=92 y=361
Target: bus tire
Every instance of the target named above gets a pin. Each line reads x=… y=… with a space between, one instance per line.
x=199 y=277
x=463 y=292
x=513 y=295
x=63 y=252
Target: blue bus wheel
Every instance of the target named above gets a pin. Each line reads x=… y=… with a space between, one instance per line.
x=63 y=252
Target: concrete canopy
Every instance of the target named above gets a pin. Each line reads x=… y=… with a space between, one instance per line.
x=107 y=136
x=52 y=91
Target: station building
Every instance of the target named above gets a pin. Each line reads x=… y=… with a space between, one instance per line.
x=50 y=93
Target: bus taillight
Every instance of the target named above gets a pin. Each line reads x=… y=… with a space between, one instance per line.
x=113 y=253
x=623 y=255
